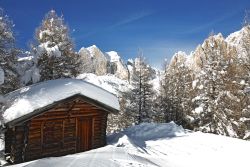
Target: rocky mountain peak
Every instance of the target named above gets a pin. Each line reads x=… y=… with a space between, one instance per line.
x=94 y=60
x=179 y=57
x=102 y=63
x=113 y=56
x=237 y=37
x=117 y=67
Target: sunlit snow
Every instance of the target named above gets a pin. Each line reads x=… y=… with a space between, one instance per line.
x=158 y=145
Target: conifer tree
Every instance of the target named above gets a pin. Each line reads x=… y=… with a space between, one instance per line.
x=54 y=52
x=177 y=89
x=8 y=56
x=140 y=97
x=212 y=80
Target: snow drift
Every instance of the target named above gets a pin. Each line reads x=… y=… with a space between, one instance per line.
x=166 y=145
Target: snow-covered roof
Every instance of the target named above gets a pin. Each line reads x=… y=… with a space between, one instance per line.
x=24 y=101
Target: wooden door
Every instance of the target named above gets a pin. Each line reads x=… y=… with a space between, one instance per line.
x=85 y=133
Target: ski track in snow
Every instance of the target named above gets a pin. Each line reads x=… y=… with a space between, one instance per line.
x=107 y=156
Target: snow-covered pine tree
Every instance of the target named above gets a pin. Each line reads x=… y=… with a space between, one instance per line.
x=8 y=56
x=147 y=94
x=184 y=94
x=141 y=95
x=177 y=89
x=168 y=85
x=159 y=99
x=54 y=53
x=244 y=56
x=243 y=77
x=231 y=100
x=163 y=103
x=211 y=86
x=124 y=119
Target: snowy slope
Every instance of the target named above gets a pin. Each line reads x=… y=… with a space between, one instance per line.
x=108 y=82
x=166 y=145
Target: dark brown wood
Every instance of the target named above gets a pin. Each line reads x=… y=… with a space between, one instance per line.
x=67 y=127
x=85 y=133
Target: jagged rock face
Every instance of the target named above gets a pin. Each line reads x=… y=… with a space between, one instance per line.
x=99 y=60
x=241 y=41
x=86 y=61
x=93 y=60
x=197 y=57
x=116 y=66
x=213 y=46
x=238 y=38
x=178 y=58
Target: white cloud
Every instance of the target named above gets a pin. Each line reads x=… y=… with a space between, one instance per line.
x=131 y=19
x=125 y=21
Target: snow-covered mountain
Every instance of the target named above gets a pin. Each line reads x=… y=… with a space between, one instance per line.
x=117 y=66
x=179 y=57
x=101 y=63
x=196 y=58
x=94 y=59
x=216 y=76
x=108 y=70
x=236 y=40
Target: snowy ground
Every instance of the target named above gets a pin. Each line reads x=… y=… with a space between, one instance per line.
x=166 y=145
x=107 y=82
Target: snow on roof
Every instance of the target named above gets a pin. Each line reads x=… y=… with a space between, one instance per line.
x=30 y=98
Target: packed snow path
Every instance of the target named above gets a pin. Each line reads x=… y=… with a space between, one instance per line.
x=165 y=145
x=110 y=156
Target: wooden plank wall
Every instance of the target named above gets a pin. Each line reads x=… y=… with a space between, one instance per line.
x=54 y=132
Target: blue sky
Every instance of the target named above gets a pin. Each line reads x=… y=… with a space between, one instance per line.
x=158 y=27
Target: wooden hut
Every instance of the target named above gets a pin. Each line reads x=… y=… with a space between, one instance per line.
x=55 y=118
